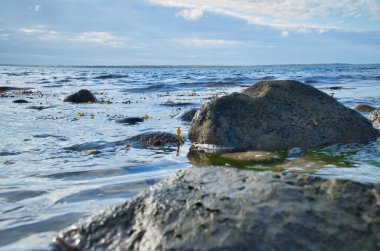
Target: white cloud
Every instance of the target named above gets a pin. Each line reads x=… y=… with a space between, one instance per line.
x=37 y=8
x=201 y=42
x=285 y=33
x=41 y=33
x=190 y=14
x=31 y=30
x=99 y=38
x=282 y=13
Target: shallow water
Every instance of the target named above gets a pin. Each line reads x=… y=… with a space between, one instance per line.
x=46 y=184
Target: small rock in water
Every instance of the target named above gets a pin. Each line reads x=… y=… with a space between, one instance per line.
x=374 y=116
x=130 y=120
x=82 y=96
x=155 y=139
x=39 y=108
x=252 y=156
x=364 y=108
x=176 y=104
x=20 y=101
x=96 y=152
x=8 y=88
x=188 y=115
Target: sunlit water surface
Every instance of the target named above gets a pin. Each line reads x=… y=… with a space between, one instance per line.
x=45 y=187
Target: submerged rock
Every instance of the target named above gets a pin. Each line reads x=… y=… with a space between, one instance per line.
x=156 y=139
x=232 y=209
x=188 y=115
x=176 y=104
x=252 y=156
x=276 y=114
x=39 y=107
x=20 y=101
x=364 y=108
x=374 y=116
x=130 y=120
x=82 y=96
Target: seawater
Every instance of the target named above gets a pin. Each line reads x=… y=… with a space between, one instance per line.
x=46 y=186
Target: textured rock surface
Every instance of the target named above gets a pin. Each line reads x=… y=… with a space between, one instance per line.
x=278 y=114
x=232 y=209
x=374 y=116
x=188 y=115
x=81 y=96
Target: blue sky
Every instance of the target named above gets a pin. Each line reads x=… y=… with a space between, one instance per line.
x=189 y=32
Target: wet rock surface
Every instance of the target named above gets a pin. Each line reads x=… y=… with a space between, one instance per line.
x=153 y=139
x=374 y=116
x=231 y=209
x=82 y=96
x=188 y=115
x=272 y=114
x=364 y=108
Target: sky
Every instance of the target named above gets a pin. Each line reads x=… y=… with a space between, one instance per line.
x=189 y=32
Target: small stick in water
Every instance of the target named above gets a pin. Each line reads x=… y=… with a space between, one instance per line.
x=179 y=134
x=178 y=140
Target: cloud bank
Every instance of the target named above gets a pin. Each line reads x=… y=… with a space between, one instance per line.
x=280 y=13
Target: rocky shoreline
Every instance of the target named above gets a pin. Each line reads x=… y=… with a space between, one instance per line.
x=219 y=208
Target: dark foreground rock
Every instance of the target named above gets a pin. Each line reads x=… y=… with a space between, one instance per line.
x=232 y=209
x=82 y=96
x=188 y=115
x=374 y=116
x=276 y=114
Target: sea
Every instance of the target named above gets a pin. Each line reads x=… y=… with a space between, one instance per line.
x=48 y=183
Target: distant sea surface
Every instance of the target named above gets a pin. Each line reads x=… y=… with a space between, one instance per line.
x=46 y=184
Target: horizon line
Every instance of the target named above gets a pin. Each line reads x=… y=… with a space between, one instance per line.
x=177 y=65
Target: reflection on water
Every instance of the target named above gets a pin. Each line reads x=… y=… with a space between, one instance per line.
x=338 y=161
x=60 y=161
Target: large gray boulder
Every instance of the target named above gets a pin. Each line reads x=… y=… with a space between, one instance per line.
x=272 y=114
x=231 y=209
x=374 y=116
x=81 y=96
